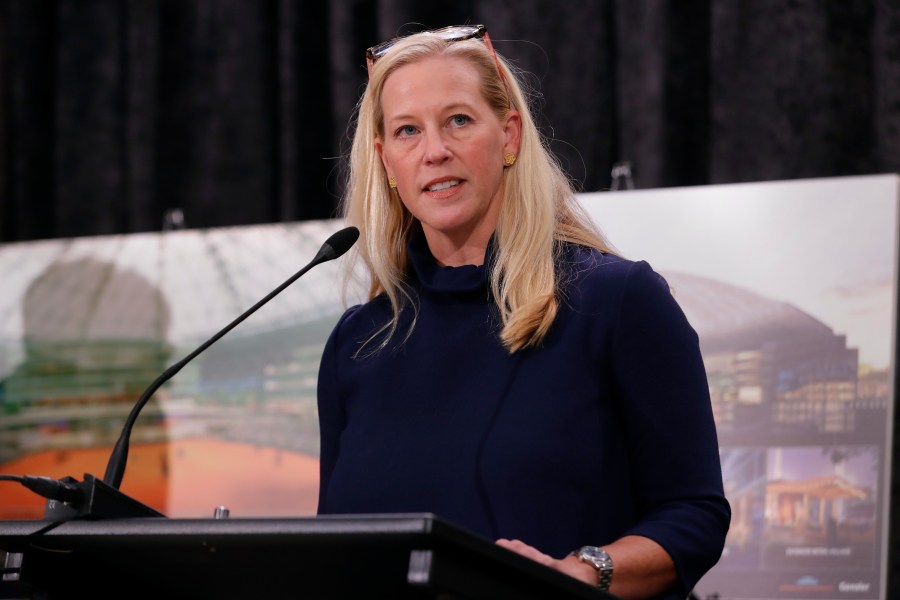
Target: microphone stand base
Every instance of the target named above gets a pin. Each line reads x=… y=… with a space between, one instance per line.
x=99 y=501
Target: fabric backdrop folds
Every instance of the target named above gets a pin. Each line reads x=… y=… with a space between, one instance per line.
x=113 y=113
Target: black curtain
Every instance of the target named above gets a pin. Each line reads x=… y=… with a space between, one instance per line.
x=113 y=113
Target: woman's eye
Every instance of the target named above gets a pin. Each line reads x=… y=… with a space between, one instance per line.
x=459 y=120
x=406 y=130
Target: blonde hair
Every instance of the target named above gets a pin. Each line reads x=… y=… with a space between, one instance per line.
x=539 y=210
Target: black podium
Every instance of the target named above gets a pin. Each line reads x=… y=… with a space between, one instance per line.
x=368 y=556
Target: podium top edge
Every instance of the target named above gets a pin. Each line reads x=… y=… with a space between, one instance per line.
x=412 y=523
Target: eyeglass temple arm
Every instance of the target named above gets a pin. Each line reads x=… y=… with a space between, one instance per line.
x=490 y=46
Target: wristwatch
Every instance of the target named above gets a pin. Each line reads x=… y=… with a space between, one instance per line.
x=600 y=560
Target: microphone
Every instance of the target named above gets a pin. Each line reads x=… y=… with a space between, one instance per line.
x=96 y=498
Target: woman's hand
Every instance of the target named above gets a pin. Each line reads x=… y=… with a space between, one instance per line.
x=642 y=568
x=569 y=565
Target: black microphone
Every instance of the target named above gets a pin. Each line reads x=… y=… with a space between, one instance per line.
x=101 y=499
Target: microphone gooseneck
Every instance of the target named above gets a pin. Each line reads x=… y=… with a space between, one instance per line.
x=332 y=248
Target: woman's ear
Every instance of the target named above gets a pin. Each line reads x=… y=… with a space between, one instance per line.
x=379 y=148
x=513 y=130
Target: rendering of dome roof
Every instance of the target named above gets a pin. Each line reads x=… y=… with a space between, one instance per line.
x=176 y=286
x=726 y=316
x=88 y=300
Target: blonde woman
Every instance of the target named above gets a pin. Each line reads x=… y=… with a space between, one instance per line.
x=509 y=372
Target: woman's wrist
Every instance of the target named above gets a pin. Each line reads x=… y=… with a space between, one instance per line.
x=581 y=570
x=599 y=561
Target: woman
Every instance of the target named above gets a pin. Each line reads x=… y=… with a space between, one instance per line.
x=509 y=373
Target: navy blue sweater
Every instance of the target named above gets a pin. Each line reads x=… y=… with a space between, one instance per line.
x=604 y=430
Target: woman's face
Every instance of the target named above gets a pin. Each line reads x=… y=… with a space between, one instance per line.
x=445 y=146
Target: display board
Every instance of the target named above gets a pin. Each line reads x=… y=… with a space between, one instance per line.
x=86 y=324
x=792 y=289
x=791 y=286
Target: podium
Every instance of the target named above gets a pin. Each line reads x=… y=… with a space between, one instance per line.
x=360 y=556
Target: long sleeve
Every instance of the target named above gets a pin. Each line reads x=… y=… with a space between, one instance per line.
x=331 y=414
x=670 y=433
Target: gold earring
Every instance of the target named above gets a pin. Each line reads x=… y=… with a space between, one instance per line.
x=392 y=181
x=509 y=159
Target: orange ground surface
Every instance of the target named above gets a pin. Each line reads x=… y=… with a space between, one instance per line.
x=181 y=478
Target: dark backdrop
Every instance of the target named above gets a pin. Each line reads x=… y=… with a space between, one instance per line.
x=236 y=111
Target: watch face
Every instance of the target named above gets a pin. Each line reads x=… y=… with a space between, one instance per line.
x=597 y=556
x=594 y=553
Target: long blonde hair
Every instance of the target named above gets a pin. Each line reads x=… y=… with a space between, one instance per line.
x=539 y=210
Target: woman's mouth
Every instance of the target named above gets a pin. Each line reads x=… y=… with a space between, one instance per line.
x=443 y=185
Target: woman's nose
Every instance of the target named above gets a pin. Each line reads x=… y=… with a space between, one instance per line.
x=436 y=149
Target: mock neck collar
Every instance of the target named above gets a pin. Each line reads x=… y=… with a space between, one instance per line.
x=437 y=279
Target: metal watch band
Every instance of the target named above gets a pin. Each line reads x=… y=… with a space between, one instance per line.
x=600 y=560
